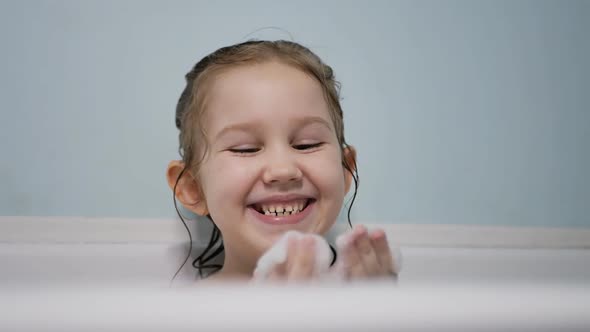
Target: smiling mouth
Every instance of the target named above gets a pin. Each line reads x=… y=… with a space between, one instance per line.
x=282 y=209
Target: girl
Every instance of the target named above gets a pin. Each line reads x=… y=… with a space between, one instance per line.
x=263 y=152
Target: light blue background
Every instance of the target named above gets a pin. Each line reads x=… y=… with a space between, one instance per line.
x=463 y=112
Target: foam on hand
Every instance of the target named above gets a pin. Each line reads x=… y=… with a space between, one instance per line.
x=277 y=255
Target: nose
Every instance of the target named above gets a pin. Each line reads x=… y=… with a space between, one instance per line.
x=281 y=168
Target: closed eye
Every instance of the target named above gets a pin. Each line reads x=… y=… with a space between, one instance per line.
x=307 y=146
x=245 y=150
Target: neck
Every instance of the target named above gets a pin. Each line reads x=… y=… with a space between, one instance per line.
x=235 y=267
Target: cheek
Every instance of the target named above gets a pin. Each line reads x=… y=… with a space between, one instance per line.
x=328 y=173
x=225 y=181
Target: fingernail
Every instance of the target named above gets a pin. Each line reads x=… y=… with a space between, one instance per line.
x=360 y=229
x=378 y=234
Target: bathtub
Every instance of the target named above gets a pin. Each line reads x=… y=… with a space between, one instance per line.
x=109 y=274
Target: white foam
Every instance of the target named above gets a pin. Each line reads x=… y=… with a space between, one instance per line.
x=277 y=255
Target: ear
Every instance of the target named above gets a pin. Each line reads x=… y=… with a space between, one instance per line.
x=188 y=190
x=349 y=157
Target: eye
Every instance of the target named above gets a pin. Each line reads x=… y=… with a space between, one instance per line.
x=307 y=146
x=244 y=150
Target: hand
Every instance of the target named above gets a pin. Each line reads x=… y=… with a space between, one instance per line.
x=364 y=255
x=300 y=262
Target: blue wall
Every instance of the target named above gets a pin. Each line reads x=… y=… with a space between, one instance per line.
x=465 y=112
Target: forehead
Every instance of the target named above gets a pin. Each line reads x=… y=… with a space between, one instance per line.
x=261 y=91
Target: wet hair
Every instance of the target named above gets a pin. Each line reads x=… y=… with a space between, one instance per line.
x=190 y=108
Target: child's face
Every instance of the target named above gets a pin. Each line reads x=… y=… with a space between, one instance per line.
x=272 y=144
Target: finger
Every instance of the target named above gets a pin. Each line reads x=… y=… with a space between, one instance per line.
x=351 y=260
x=303 y=261
x=281 y=271
x=278 y=272
x=367 y=253
x=383 y=253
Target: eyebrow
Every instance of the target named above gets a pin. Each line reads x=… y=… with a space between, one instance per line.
x=253 y=126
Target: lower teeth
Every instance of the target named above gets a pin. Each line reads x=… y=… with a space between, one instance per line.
x=280 y=214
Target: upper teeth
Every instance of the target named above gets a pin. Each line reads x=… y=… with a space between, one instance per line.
x=283 y=209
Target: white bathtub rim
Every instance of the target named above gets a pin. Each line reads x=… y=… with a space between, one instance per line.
x=19 y=229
